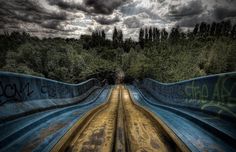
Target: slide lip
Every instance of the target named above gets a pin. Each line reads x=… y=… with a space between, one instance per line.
x=27 y=76
x=190 y=80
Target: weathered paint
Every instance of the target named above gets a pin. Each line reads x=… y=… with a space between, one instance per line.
x=98 y=135
x=120 y=125
x=198 y=130
x=144 y=132
x=41 y=131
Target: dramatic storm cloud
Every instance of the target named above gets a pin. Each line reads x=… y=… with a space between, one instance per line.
x=71 y=18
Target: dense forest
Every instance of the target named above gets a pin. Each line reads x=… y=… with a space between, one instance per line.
x=158 y=54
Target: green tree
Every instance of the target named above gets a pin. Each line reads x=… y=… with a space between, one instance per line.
x=146 y=34
x=115 y=38
x=150 y=35
x=164 y=35
x=233 y=32
x=213 y=29
x=141 y=38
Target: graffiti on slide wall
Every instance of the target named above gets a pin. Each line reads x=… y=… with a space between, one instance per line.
x=10 y=91
x=220 y=97
x=216 y=93
x=22 y=90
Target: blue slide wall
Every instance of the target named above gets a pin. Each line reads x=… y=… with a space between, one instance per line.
x=215 y=94
x=20 y=93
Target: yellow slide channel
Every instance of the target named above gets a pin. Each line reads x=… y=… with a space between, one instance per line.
x=120 y=125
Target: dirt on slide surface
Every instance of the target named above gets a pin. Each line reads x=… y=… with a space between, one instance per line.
x=121 y=126
x=143 y=134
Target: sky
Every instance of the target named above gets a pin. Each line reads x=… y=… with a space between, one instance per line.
x=71 y=18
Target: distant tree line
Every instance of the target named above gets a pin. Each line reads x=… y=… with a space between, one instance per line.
x=153 y=34
x=203 y=30
x=158 y=54
x=98 y=39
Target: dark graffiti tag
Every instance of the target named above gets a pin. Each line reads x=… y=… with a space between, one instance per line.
x=54 y=92
x=10 y=92
x=19 y=91
x=51 y=91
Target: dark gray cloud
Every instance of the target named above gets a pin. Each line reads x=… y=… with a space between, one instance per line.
x=188 y=9
x=68 y=5
x=75 y=17
x=27 y=11
x=221 y=13
x=90 y=6
x=103 y=6
x=191 y=21
x=106 y=20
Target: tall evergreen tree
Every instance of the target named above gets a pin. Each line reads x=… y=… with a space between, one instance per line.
x=164 y=35
x=120 y=37
x=195 y=30
x=115 y=38
x=174 y=34
x=233 y=32
x=154 y=37
x=141 y=38
x=208 y=29
x=182 y=36
x=103 y=35
x=218 y=29
x=150 y=36
x=146 y=34
x=226 y=28
x=127 y=45
x=213 y=29
x=157 y=31
x=203 y=29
